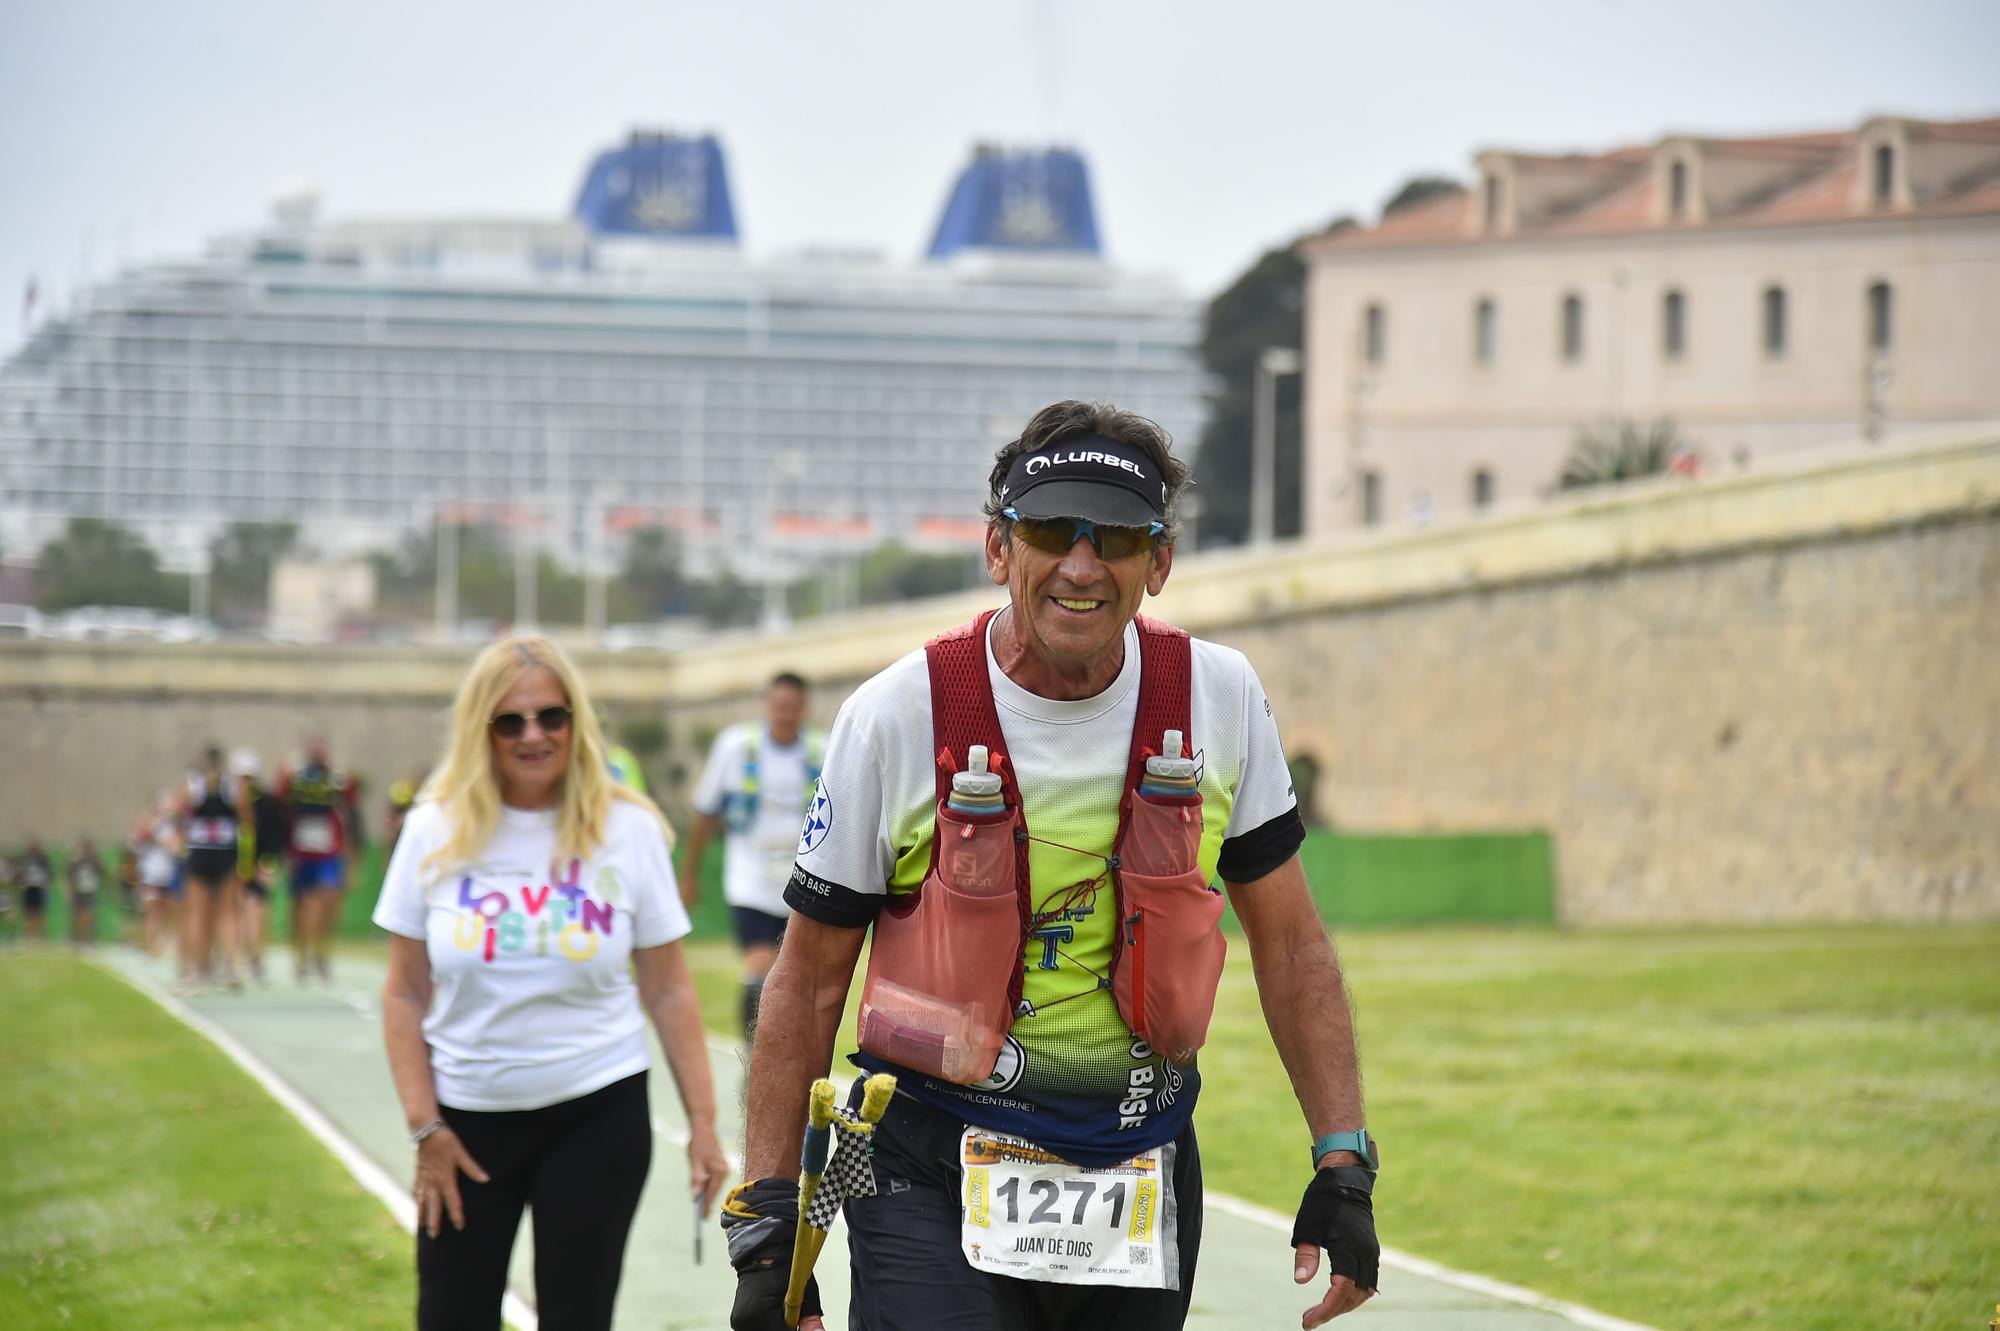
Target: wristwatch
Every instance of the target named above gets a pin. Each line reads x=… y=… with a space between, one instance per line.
x=1358 y=1142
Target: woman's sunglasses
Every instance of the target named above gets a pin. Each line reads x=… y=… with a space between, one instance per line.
x=513 y=725
x=1058 y=536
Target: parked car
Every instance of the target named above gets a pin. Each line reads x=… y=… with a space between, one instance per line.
x=21 y=621
x=111 y=623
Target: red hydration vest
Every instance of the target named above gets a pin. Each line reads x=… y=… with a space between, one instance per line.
x=946 y=971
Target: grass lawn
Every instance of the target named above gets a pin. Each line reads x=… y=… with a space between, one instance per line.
x=1794 y=1129
x=146 y=1184
x=1731 y=1128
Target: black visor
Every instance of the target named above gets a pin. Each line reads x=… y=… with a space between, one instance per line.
x=1087 y=477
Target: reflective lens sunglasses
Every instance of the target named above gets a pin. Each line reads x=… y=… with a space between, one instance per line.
x=512 y=725
x=1058 y=536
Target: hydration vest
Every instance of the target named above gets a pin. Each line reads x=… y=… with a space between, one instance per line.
x=739 y=806
x=946 y=969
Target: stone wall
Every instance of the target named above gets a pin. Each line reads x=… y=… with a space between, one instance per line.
x=1761 y=699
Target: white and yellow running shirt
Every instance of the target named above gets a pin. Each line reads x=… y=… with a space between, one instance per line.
x=1072 y=1077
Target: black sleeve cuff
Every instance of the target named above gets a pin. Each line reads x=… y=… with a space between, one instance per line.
x=830 y=903
x=1248 y=857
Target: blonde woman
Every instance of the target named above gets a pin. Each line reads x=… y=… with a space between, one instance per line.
x=535 y=926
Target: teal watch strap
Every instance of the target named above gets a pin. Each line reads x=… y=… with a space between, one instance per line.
x=1358 y=1142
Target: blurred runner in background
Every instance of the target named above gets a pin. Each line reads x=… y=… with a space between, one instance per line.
x=33 y=874
x=86 y=880
x=263 y=836
x=156 y=840
x=319 y=799
x=759 y=782
x=213 y=900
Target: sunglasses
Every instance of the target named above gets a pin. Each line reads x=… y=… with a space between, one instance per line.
x=1058 y=536
x=512 y=725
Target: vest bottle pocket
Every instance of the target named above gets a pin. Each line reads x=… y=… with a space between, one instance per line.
x=1164 y=837
x=1171 y=961
x=1170 y=950
x=935 y=999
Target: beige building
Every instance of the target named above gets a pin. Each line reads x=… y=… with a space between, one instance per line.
x=1768 y=295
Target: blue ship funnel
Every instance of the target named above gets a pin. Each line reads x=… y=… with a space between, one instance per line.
x=1034 y=200
x=659 y=185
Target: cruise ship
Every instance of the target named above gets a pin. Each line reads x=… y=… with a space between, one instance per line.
x=577 y=379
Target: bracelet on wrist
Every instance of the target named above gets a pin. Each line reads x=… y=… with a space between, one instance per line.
x=417 y=1137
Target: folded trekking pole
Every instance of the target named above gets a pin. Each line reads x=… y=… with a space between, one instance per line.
x=849 y=1171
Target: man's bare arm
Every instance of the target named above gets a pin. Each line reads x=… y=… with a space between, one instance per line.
x=1304 y=999
x=701 y=830
x=797 y=1019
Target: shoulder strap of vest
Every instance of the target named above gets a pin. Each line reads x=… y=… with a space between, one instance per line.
x=1166 y=686
x=962 y=715
x=962 y=710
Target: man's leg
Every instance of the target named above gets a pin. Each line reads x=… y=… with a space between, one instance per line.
x=903 y=1242
x=299 y=884
x=758 y=935
x=1113 y=1308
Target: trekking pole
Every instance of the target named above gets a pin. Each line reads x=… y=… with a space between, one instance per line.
x=808 y=1239
x=821 y=1122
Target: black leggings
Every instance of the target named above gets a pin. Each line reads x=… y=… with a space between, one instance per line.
x=578 y=1167
x=909 y=1271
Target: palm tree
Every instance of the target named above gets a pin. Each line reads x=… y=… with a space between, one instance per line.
x=1619 y=451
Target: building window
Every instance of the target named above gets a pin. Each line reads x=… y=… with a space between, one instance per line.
x=1371 y=498
x=1885 y=176
x=1373 y=334
x=1482 y=488
x=1673 y=325
x=1677 y=190
x=1774 y=322
x=1485 y=331
x=1572 y=328
x=1881 y=318
x=1492 y=203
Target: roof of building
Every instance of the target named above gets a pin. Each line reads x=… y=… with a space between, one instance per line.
x=1781 y=180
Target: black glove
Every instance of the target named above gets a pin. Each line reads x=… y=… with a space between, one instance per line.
x=1338 y=1214
x=761 y=1220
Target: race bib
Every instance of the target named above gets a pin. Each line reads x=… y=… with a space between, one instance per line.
x=1030 y=1215
x=313 y=836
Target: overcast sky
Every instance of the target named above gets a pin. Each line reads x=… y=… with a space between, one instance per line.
x=131 y=131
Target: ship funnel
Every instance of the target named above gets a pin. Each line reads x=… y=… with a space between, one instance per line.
x=1033 y=200
x=659 y=184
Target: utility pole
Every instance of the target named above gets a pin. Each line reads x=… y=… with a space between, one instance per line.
x=446 y=600
x=1271 y=362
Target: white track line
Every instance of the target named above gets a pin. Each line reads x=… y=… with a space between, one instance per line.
x=1417 y=1266
x=365 y=1170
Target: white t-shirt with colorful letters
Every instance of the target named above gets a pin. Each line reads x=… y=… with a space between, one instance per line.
x=531 y=958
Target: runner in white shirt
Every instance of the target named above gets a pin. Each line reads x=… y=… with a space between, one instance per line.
x=756 y=789
x=534 y=928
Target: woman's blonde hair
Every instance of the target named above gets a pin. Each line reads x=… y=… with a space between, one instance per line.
x=466 y=788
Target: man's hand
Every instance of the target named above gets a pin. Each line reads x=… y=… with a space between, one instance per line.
x=761 y=1219
x=1337 y=1214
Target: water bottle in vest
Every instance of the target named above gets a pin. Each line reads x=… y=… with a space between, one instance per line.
x=975 y=792
x=975 y=831
x=1168 y=774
